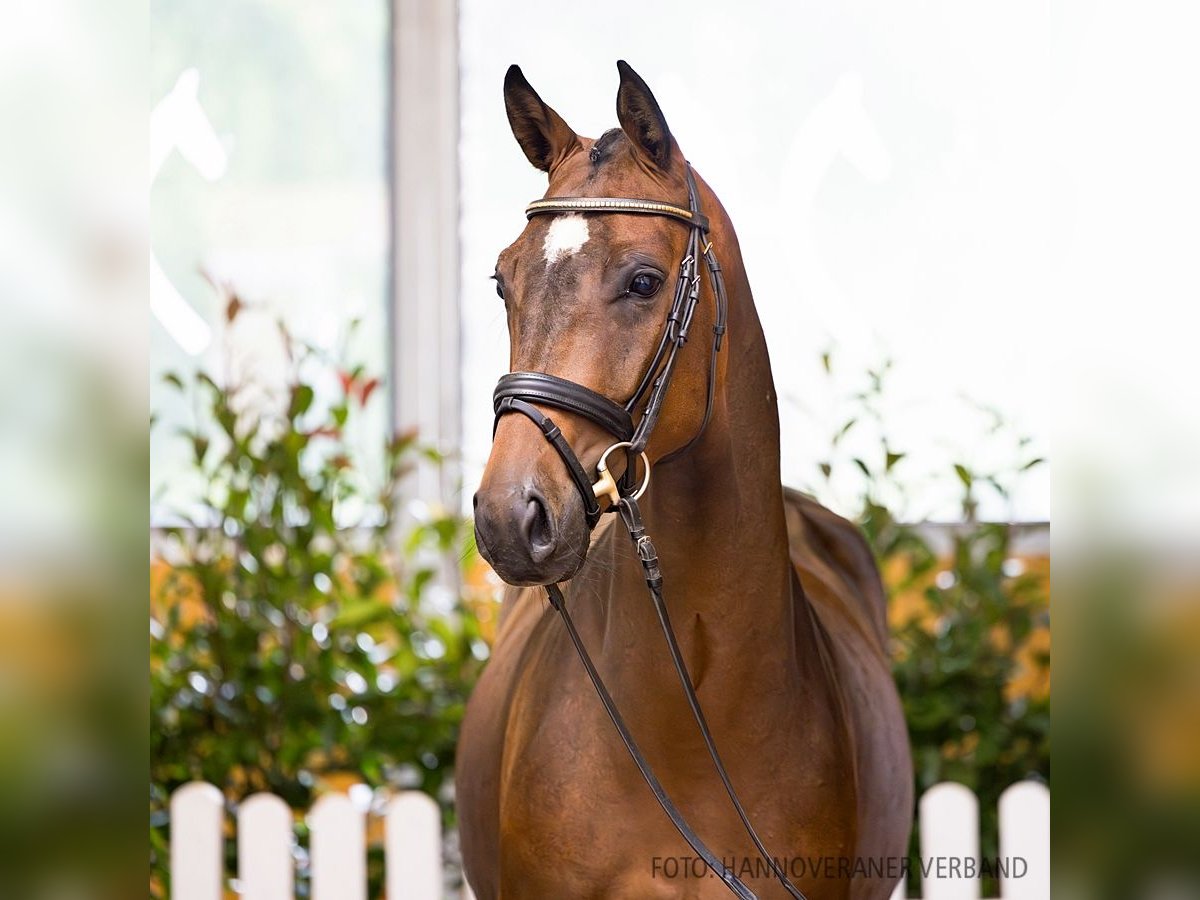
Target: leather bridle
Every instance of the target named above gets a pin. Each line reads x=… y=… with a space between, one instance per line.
x=523 y=392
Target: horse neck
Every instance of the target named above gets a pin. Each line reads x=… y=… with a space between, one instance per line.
x=716 y=513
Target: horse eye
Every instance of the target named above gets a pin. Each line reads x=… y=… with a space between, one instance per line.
x=645 y=285
x=499 y=290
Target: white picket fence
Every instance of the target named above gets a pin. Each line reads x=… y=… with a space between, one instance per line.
x=948 y=818
x=948 y=821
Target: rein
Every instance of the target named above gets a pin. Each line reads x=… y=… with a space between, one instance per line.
x=519 y=392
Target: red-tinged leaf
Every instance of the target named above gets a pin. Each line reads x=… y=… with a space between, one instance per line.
x=367 y=389
x=402 y=440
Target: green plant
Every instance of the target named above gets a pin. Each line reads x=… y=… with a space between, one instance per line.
x=970 y=623
x=296 y=633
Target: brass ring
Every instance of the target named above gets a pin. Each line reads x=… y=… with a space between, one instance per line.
x=606 y=485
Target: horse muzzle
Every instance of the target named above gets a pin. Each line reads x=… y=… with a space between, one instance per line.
x=528 y=537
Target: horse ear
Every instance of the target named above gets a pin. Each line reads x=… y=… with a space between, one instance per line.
x=544 y=137
x=641 y=119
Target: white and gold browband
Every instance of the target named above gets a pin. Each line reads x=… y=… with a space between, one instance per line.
x=614 y=205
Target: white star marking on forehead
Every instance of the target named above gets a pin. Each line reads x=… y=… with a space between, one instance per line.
x=566 y=237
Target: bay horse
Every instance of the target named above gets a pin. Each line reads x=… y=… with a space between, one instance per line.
x=776 y=602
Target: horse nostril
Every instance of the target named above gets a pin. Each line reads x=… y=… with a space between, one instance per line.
x=537 y=525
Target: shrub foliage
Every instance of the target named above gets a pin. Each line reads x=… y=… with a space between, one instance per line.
x=300 y=638
x=969 y=616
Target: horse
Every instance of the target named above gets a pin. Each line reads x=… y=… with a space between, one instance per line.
x=777 y=603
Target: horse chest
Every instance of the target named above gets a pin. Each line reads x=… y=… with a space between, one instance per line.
x=573 y=813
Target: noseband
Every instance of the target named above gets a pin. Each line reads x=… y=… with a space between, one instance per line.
x=523 y=392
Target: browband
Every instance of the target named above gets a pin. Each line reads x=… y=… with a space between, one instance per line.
x=615 y=205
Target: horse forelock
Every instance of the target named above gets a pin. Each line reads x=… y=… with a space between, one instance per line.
x=602 y=149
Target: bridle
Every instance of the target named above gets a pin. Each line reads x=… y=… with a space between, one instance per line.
x=520 y=391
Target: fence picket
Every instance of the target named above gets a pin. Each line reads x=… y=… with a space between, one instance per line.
x=265 y=837
x=1025 y=835
x=948 y=822
x=413 y=848
x=949 y=825
x=197 y=842
x=338 y=849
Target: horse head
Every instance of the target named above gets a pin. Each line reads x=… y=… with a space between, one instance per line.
x=586 y=297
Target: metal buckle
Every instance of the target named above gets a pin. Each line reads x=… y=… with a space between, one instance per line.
x=606 y=485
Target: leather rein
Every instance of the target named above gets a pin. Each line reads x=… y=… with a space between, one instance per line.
x=519 y=392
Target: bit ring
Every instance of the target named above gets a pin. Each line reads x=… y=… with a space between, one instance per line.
x=606 y=485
